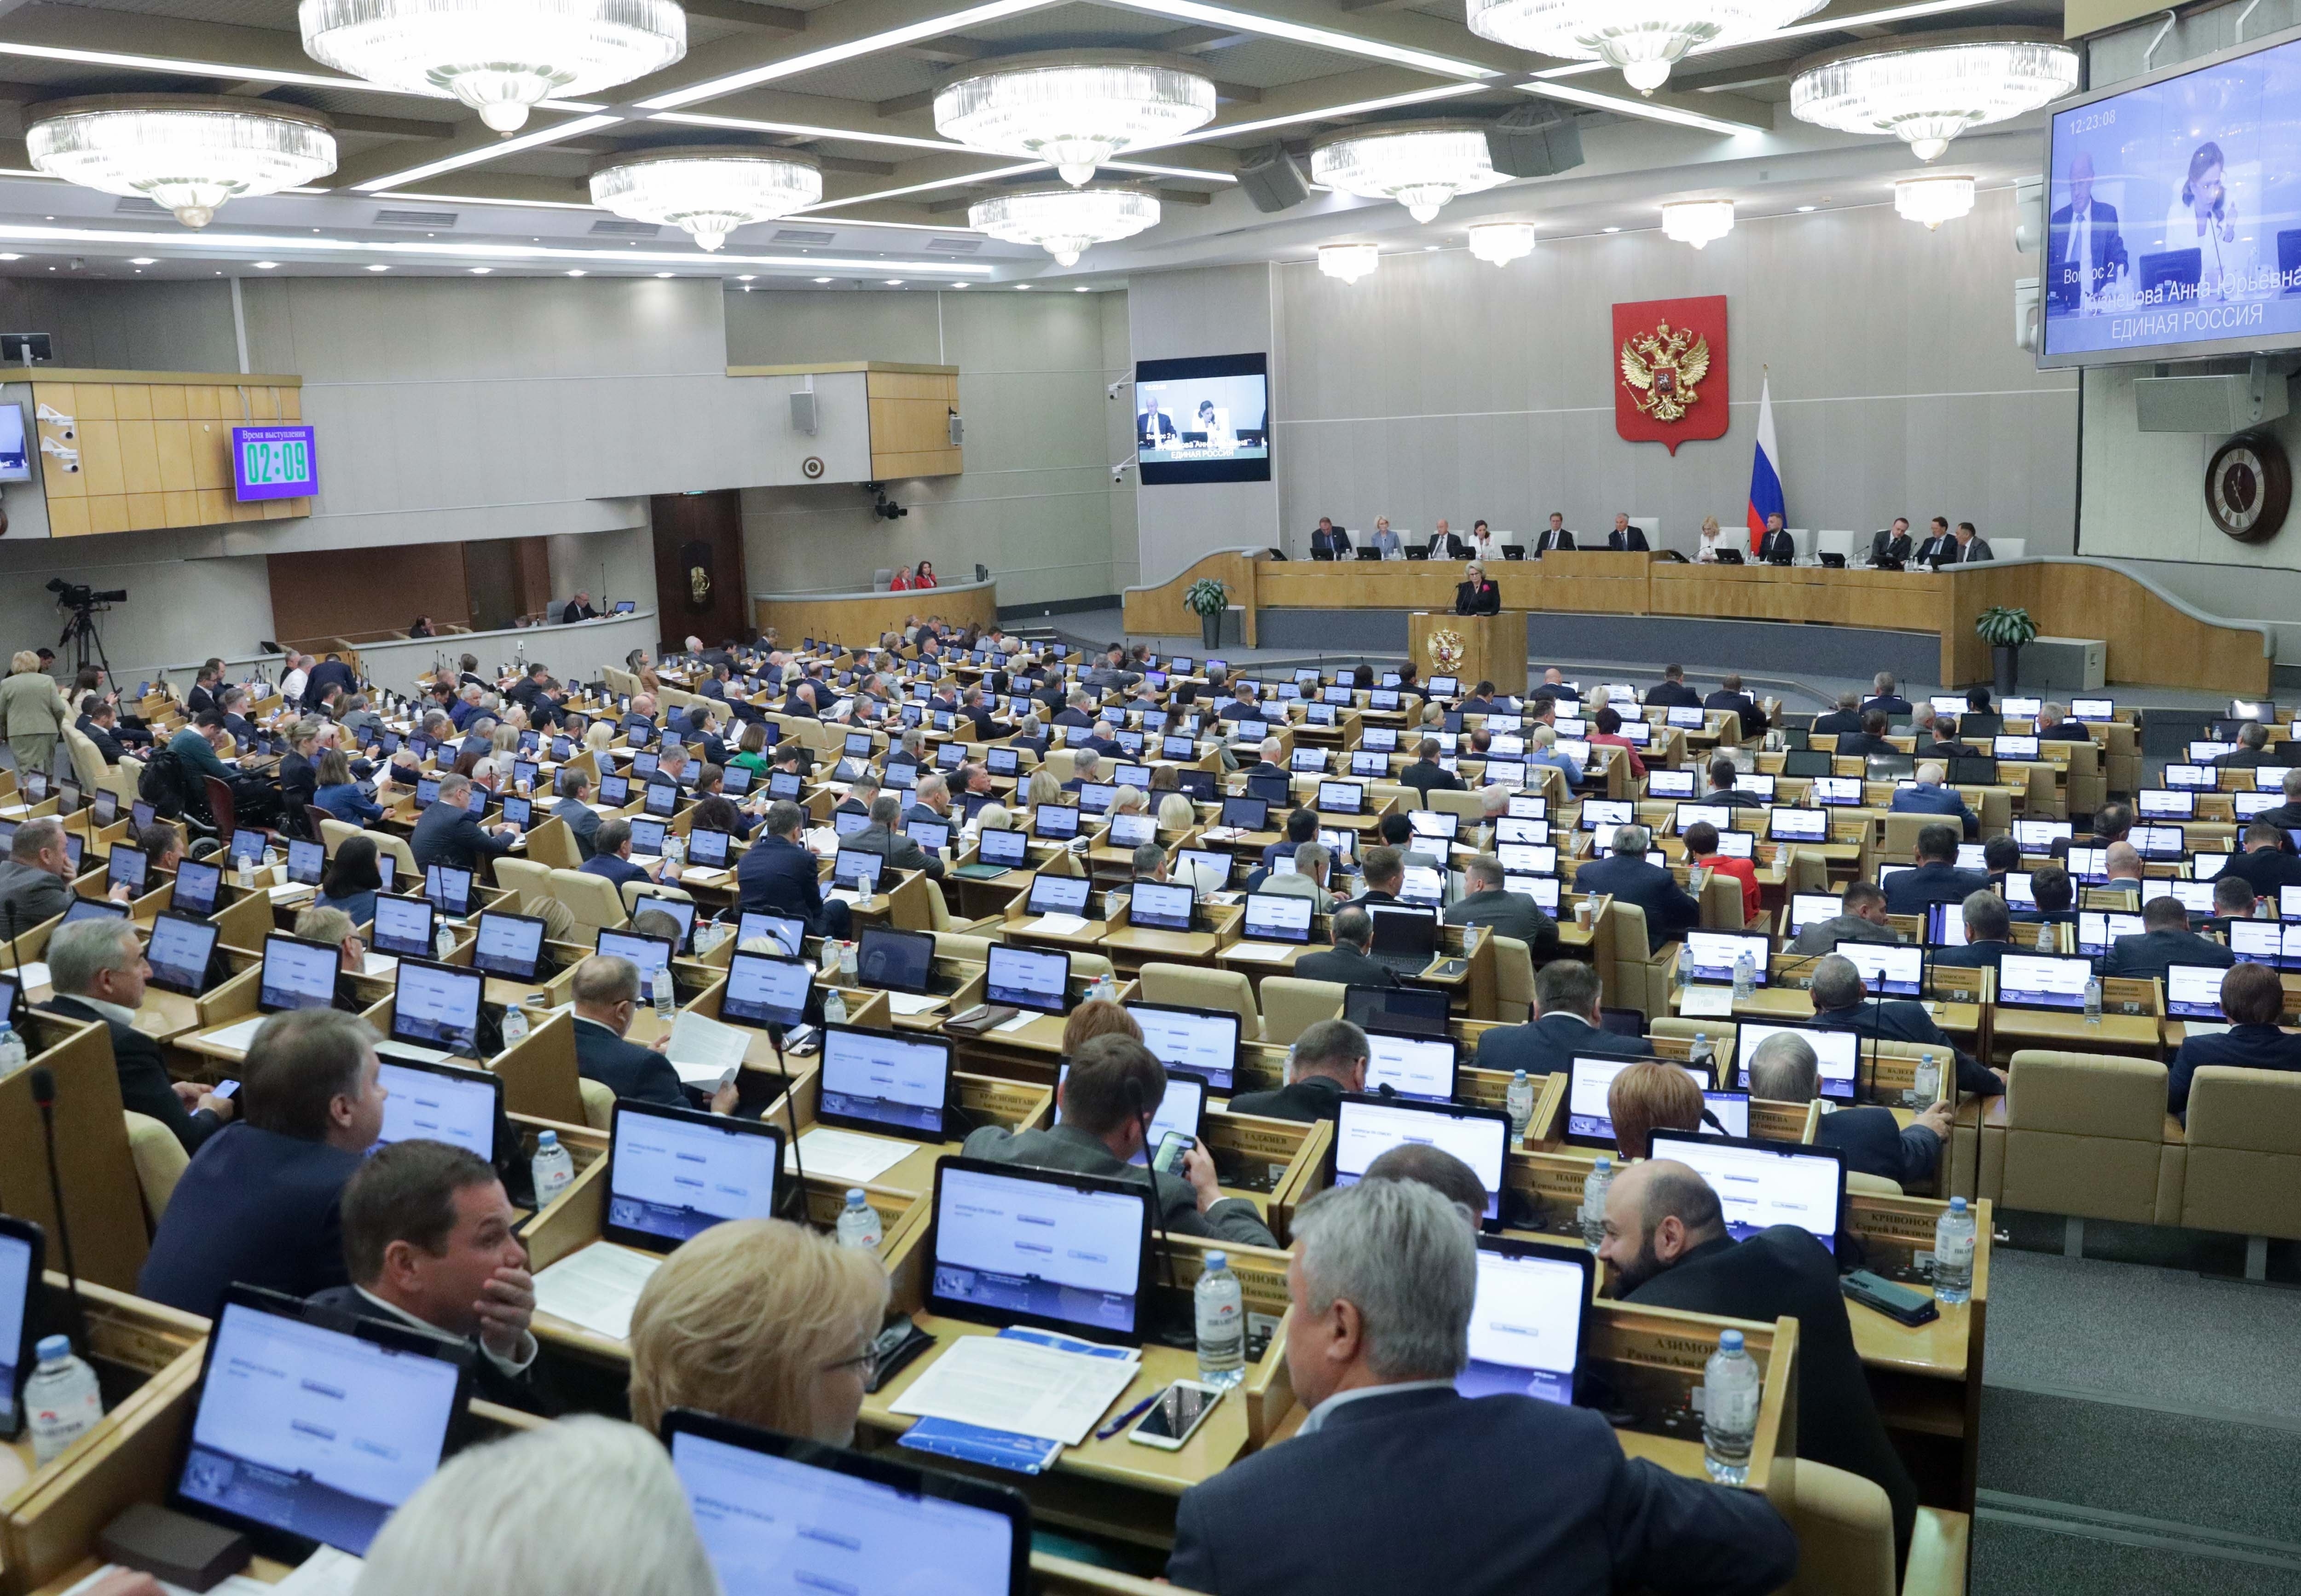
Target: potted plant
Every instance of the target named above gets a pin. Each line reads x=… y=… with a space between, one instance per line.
x=2007 y=630
x=1209 y=599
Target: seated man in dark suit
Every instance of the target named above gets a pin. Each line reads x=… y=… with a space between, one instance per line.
x=2233 y=899
x=1945 y=745
x=1668 y=1247
x=1624 y=874
x=1937 y=878
x=1892 y=544
x=1842 y=721
x=1776 y=547
x=428 y=1241
x=2253 y=1000
x=2287 y=816
x=777 y=875
x=1626 y=539
x=97 y=971
x=1939 y=545
x=2055 y=895
x=97 y=724
x=2264 y=864
x=883 y=838
x=1330 y=541
x=1730 y=696
x=259 y=1203
x=1566 y=994
x=1270 y=763
x=1862 y=919
x=1381 y=1291
x=36 y=878
x=1425 y=773
x=2166 y=940
x=1988 y=933
x=606 y=999
x=1841 y=998
x=1103 y=1112
x=1671 y=691
x=611 y=854
x=450 y=832
x=1347 y=961
x=1508 y=914
x=1929 y=796
x=574 y=807
x=1329 y=1059
x=1784 y=1070
x=1553 y=537
x=2252 y=749
x=1884 y=698
x=2054 y=725
x=1870 y=740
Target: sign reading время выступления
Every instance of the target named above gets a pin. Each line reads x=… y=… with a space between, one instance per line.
x=273 y=463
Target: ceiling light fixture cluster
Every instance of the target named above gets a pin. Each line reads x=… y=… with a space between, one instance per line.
x=708 y=190
x=1065 y=222
x=1502 y=242
x=1929 y=93
x=1421 y=165
x=1700 y=222
x=1933 y=198
x=1076 y=111
x=1349 y=262
x=1642 y=38
x=188 y=152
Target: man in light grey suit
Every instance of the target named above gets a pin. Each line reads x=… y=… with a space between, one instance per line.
x=881 y=838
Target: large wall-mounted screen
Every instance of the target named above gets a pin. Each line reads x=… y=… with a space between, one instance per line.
x=2175 y=215
x=1206 y=419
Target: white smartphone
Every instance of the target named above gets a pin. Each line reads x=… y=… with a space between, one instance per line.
x=1175 y=1415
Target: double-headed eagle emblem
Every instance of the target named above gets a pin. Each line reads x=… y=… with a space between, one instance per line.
x=1664 y=365
x=1447 y=650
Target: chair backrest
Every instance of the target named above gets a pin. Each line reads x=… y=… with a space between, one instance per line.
x=2009 y=548
x=1872 y=1185
x=1902 y=831
x=552 y=843
x=1467 y=804
x=593 y=900
x=952 y=944
x=2085 y=1136
x=599 y=1104
x=1834 y=542
x=219 y=806
x=2243 y=1168
x=636 y=893
x=881 y=579
x=160 y=1160
x=527 y=878
x=1845 y=1527
x=1513 y=981
x=87 y=765
x=336 y=832
x=1290 y=1006
x=1194 y=987
x=405 y=871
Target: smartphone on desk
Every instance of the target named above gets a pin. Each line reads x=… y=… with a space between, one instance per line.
x=1174 y=1416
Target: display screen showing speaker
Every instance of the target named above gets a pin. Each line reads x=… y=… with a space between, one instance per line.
x=1204 y=420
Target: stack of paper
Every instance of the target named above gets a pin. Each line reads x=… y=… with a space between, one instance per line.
x=846 y=1156
x=1060 y=925
x=705 y=1052
x=906 y=1003
x=235 y=1039
x=1021 y=1387
x=596 y=1288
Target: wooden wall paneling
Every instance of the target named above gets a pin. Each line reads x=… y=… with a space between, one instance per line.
x=860 y=618
x=336 y=592
x=910 y=424
x=2149 y=640
x=155 y=448
x=717 y=520
x=491 y=582
x=534 y=556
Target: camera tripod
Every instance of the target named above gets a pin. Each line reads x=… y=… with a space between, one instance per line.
x=79 y=635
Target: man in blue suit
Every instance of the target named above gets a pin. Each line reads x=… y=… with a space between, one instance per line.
x=260 y=1203
x=2166 y=940
x=1566 y=1007
x=1785 y=1070
x=1988 y=934
x=607 y=996
x=611 y=854
x=1937 y=878
x=778 y=875
x=2082 y=245
x=1841 y=998
x=1929 y=796
x=575 y=807
x=1624 y=874
x=2253 y=1000
x=1397 y=1485
x=449 y=833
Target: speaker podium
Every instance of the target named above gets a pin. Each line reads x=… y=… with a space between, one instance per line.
x=1474 y=647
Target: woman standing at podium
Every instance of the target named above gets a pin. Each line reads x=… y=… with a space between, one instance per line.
x=1476 y=595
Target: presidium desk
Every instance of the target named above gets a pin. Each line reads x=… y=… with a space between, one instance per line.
x=2155 y=638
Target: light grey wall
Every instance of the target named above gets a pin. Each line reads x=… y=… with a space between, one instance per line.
x=1034 y=502
x=178 y=607
x=1118 y=439
x=1444 y=386
x=127 y=326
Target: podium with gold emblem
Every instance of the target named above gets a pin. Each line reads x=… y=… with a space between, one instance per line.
x=1474 y=647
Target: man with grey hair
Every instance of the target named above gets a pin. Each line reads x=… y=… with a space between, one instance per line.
x=1485 y=902
x=1667 y=1245
x=1273 y=761
x=1625 y=876
x=1381 y=1287
x=1785 y=1070
x=605 y=990
x=883 y=838
x=1314 y=861
x=1348 y=962
x=861 y=793
x=1329 y=1059
x=1150 y=863
x=36 y=880
x=1841 y=998
x=97 y=970
x=450 y=832
x=931 y=800
x=1845 y=719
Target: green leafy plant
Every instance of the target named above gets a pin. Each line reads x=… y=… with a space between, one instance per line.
x=2003 y=626
x=1207 y=597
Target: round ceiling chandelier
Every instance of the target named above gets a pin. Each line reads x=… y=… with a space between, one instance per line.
x=1929 y=92
x=1076 y=111
x=189 y=152
x=1700 y=222
x=1933 y=198
x=709 y=190
x=1349 y=262
x=1065 y=221
x=1421 y=165
x=499 y=57
x=1502 y=242
x=1642 y=38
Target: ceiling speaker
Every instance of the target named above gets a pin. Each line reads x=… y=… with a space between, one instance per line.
x=1534 y=141
x=1271 y=178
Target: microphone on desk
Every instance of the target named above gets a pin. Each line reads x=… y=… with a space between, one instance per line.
x=43 y=1098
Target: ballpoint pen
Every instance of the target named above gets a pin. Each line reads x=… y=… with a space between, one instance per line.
x=1125 y=1418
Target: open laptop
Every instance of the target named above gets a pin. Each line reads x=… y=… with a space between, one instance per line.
x=1155 y=906
x=1182 y=1111
x=1027 y=978
x=1709 y=955
x=1366 y=1127
x=1405 y=939
x=996 y=854
x=198 y=884
x=1527 y=1320
x=1058 y=895
x=439 y=1102
x=786 y=932
x=1890 y=969
x=21 y=1246
x=1589 y=1122
x=1836 y=1051
x=649 y=954
x=403 y=927
x=1760 y=1185
x=1402 y=1010
x=1203 y=1042
x=127 y=868
x=672 y=1174
x=449 y=888
x=901 y=961
x=885 y=1082
x=510 y=946
x=1010 y=1245
x=1418 y=1068
x=2043 y=980
x=435 y=1012
x=178 y=954
x=762 y=990
x=1277 y=917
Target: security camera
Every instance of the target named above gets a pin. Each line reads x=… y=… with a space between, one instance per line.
x=1111 y=392
x=1118 y=474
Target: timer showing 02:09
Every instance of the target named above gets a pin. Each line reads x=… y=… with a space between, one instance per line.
x=272 y=462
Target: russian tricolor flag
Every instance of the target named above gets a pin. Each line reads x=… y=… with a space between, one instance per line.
x=1765 y=470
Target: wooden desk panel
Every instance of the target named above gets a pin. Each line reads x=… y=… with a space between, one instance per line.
x=859 y=619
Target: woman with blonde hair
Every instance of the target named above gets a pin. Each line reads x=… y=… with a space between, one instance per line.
x=1129 y=800
x=599 y=739
x=760 y=1321
x=33 y=711
x=1650 y=1097
x=1176 y=813
x=994 y=817
x=1044 y=787
x=1705 y=552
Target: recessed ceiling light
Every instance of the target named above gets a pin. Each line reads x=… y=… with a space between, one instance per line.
x=1430 y=249
x=747 y=287
x=1803 y=209
x=267 y=266
x=894 y=282
x=1613 y=229
x=379 y=268
x=1022 y=288
x=823 y=280
x=482 y=271
x=663 y=274
x=19 y=257
x=577 y=272
x=1082 y=288
x=747 y=277
x=962 y=285
x=142 y=260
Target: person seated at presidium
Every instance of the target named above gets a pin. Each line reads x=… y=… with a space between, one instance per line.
x=1380 y=1292
x=1475 y=594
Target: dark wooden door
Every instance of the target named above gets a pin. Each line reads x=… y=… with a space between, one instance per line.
x=699 y=567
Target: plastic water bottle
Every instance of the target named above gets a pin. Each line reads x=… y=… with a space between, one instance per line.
x=1105 y=986
x=61 y=1400
x=835 y=1007
x=1953 y=1253
x=1594 y=1201
x=552 y=1169
x=12 y=1055
x=514 y=1026
x=2093 y=1000
x=1746 y=975
x=1731 y=1387
x=443 y=942
x=271 y=860
x=1220 y=1304
x=1518 y=1102
x=246 y=872
x=1702 y=1056
x=666 y=995
x=1925 y=1081
x=859 y=1223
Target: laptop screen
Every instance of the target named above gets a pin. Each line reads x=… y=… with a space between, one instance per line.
x=1367 y=1127
x=1837 y=1054
x=764 y=990
x=1415 y=1011
x=1277 y=917
x=673 y=1174
x=1179 y=1110
x=1589 y=1123
x=437 y=1006
x=438 y=1102
x=1245 y=814
x=1008 y=849
x=16 y=1257
x=1763 y=1185
x=650 y=954
x=1154 y=907
x=93 y=908
x=1421 y=1067
x=1058 y=895
x=296 y=974
x=879 y=1081
x=897 y=960
x=1202 y=1040
x=1896 y=970
x=786 y=932
x=1710 y=955
x=2097 y=929
x=127 y=868
x=403 y=927
x=178 y=953
x=1059 y=821
x=1027 y=978
x=1038 y=1247
x=509 y=945
x=316 y=1433
x=1526 y=1321
x=2194 y=991
x=707 y=847
x=1798 y=825
x=449 y=890
x=306 y=861
x=1812 y=908
x=1409 y=933
x=2043 y=980
x=196 y=881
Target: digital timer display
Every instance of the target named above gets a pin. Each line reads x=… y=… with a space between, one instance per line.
x=273 y=463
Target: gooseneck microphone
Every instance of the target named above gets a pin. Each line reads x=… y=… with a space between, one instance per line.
x=43 y=1098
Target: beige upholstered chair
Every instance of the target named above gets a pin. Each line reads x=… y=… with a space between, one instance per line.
x=599 y=1104
x=951 y=944
x=1844 y=1528
x=593 y=900
x=159 y=1159
x=2087 y=1137
x=552 y=844
x=1640 y=980
x=2243 y=1166
x=1513 y=981
x=1192 y=987
x=525 y=879
x=1290 y=1006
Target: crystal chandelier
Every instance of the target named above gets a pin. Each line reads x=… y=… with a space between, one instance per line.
x=709 y=190
x=1698 y=221
x=1421 y=165
x=499 y=56
x=1502 y=242
x=1065 y=221
x=1074 y=112
x=1931 y=92
x=1933 y=198
x=1349 y=262
x=188 y=152
x=1642 y=38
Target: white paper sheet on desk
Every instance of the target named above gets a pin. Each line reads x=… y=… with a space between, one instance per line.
x=1707 y=1003
x=235 y=1039
x=705 y=1052
x=1016 y=1386
x=596 y=1288
x=1266 y=952
x=31 y=975
x=1009 y=1027
x=326 y=1571
x=844 y=895
x=1060 y=925
x=291 y=889
x=238 y=1584
x=847 y=1156
x=909 y=1003
x=2205 y=1027
x=379 y=963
